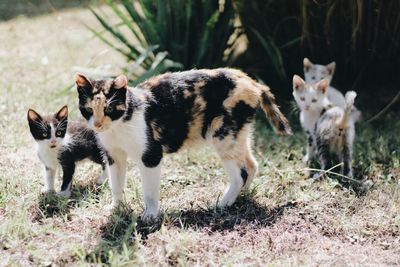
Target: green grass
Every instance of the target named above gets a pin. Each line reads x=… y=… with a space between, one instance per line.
x=285 y=219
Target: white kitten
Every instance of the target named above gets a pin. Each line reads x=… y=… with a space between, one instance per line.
x=311 y=100
x=315 y=72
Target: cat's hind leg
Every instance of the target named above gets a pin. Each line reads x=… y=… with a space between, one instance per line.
x=238 y=162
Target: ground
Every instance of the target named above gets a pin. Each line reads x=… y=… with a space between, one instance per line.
x=285 y=219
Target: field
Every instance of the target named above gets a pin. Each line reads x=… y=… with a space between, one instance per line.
x=286 y=218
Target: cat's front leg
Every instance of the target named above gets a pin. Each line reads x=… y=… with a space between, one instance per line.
x=68 y=167
x=151 y=177
x=309 y=150
x=49 y=177
x=346 y=159
x=100 y=180
x=117 y=175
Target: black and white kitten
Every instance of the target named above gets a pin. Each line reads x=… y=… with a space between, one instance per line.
x=63 y=143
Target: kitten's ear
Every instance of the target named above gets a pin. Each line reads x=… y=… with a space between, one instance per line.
x=33 y=116
x=298 y=83
x=307 y=64
x=82 y=81
x=322 y=86
x=331 y=67
x=120 y=82
x=62 y=114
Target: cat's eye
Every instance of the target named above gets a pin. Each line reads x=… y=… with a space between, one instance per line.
x=44 y=134
x=109 y=109
x=302 y=99
x=313 y=77
x=314 y=100
x=58 y=133
x=90 y=110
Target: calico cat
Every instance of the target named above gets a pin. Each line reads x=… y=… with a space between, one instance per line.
x=311 y=100
x=334 y=136
x=63 y=143
x=173 y=111
x=315 y=72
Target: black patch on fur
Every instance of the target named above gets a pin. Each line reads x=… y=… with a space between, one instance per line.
x=215 y=91
x=242 y=113
x=132 y=105
x=153 y=153
x=83 y=145
x=170 y=111
x=244 y=175
x=107 y=157
x=310 y=140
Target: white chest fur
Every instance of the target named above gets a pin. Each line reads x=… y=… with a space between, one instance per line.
x=47 y=155
x=308 y=119
x=129 y=137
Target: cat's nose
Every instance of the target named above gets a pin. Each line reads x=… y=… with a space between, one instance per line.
x=53 y=141
x=97 y=124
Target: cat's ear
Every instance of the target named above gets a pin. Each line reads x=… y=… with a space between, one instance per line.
x=62 y=114
x=82 y=81
x=120 y=82
x=307 y=64
x=298 y=83
x=33 y=116
x=322 y=86
x=331 y=67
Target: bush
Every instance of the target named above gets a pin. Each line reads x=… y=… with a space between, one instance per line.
x=165 y=35
x=362 y=36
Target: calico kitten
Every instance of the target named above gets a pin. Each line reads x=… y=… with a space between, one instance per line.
x=173 y=111
x=315 y=72
x=311 y=100
x=59 y=142
x=334 y=135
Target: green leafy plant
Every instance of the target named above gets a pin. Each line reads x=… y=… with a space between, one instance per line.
x=157 y=36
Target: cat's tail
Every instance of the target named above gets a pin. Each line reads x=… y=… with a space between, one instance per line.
x=349 y=99
x=274 y=115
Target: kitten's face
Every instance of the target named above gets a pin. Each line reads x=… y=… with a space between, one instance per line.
x=101 y=102
x=309 y=97
x=48 y=131
x=314 y=73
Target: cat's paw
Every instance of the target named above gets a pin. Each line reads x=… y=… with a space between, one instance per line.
x=318 y=175
x=46 y=190
x=101 y=179
x=306 y=159
x=64 y=194
x=149 y=216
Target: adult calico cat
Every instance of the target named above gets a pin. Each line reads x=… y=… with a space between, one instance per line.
x=173 y=111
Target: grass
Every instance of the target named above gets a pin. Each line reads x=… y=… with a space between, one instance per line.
x=286 y=219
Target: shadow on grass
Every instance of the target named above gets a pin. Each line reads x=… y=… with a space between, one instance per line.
x=50 y=204
x=124 y=228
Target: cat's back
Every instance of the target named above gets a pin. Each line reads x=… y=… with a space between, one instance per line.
x=186 y=84
x=80 y=134
x=336 y=97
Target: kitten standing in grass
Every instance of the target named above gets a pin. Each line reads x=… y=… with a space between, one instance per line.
x=330 y=129
x=174 y=111
x=314 y=73
x=63 y=143
x=312 y=101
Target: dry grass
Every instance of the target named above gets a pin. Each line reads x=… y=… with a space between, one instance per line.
x=286 y=219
